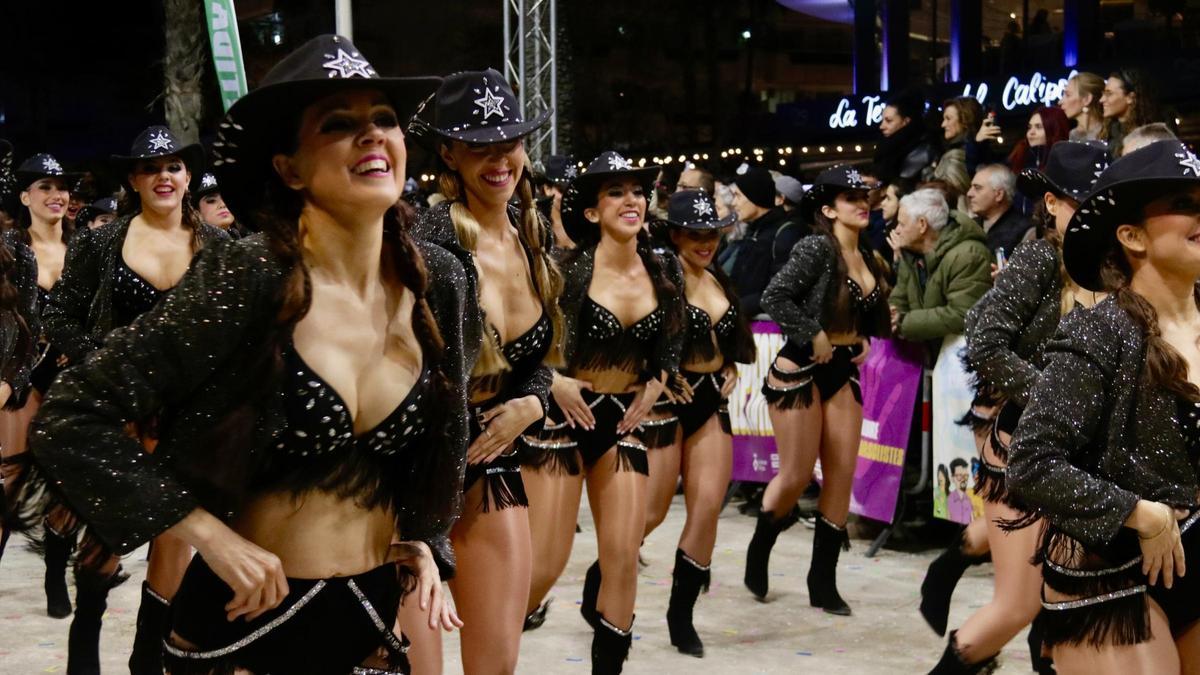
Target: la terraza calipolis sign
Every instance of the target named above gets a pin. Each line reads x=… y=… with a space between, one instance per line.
x=1016 y=94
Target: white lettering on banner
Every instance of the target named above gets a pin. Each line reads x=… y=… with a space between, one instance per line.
x=226 y=50
x=846 y=117
x=1038 y=91
x=843 y=117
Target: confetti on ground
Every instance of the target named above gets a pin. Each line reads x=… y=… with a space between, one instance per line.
x=574 y=659
x=803 y=653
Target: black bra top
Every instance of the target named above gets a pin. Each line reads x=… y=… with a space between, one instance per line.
x=705 y=338
x=862 y=303
x=319 y=422
x=604 y=342
x=523 y=354
x=318 y=449
x=132 y=295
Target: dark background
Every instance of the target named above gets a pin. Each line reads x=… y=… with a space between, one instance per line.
x=80 y=79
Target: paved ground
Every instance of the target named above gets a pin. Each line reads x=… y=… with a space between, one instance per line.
x=785 y=635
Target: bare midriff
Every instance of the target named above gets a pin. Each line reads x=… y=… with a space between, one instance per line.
x=318 y=535
x=608 y=380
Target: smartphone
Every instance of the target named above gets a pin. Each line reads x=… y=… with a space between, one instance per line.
x=990 y=120
x=1001 y=259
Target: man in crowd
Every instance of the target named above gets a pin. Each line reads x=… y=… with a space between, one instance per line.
x=770 y=235
x=695 y=178
x=944 y=268
x=990 y=199
x=788 y=192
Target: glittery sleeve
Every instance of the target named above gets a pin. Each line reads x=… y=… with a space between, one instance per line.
x=66 y=317
x=576 y=267
x=1005 y=311
x=79 y=437
x=798 y=288
x=433 y=509
x=1059 y=447
x=537 y=384
x=668 y=349
x=19 y=364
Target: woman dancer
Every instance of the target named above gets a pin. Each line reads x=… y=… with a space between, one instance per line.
x=1007 y=332
x=41 y=240
x=718 y=337
x=311 y=411
x=1107 y=448
x=829 y=299
x=112 y=276
x=1081 y=103
x=206 y=197
x=513 y=287
x=20 y=325
x=622 y=305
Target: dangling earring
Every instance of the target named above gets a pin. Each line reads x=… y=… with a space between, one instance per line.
x=1085 y=110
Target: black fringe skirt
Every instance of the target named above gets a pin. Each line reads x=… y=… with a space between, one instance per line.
x=1100 y=595
x=796 y=386
x=323 y=626
x=990 y=482
x=559 y=448
x=706 y=402
x=503 y=487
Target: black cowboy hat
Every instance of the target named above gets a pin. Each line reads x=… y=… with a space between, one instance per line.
x=475 y=106
x=1118 y=197
x=42 y=165
x=89 y=212
x=205 y=184
x=1071 y=170
x=560 y=169
x=829 y=184
x=257 y=123
x=695 y=210
x=159 y=141
x=583 y=192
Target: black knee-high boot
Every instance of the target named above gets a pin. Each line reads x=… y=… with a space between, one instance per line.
x=940 y=580
x=610 y=647
x=829 y=541
x=687 y=580
x=58 y=552
x=146 y=658
x=952 y=662
x=591 y=591
x=83 y=640
x=758 y=554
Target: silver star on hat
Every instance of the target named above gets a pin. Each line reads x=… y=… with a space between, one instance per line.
x=160 y=141
x=1189 y=161
x=345 y=65
x=854 y=176
x=619 y=163
x=489 y=103
x=703 y=208
x=208 y=181
x=51 y=165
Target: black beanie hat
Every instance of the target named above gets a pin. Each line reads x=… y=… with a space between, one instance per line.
x=758 y=186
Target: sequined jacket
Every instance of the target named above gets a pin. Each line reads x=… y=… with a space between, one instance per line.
x=18 y=348
x=434 y=225
x=81 y=308
x=1095 y=437
x=577 y=270
x=195 y=361
x=1007 y=330
x=800 y=297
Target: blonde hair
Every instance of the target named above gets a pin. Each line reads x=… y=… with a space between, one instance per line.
x=547 y=280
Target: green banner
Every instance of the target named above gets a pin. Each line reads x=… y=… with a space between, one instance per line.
x=226 y=49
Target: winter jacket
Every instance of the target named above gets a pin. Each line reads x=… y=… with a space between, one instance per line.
x=934 y=292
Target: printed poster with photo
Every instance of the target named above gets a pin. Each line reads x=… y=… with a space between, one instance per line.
x=955 y=459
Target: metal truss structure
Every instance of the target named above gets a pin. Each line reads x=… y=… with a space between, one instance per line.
x=531 y=65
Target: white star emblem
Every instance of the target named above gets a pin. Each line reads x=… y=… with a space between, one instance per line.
x=571 y=171
x=854 y=176
x=160 y=141
x=208 y=181
x=703 y=208
x=344 y=65
x=619 y=163
x=51 y=165
x=489 y=103
x=1189 y=161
